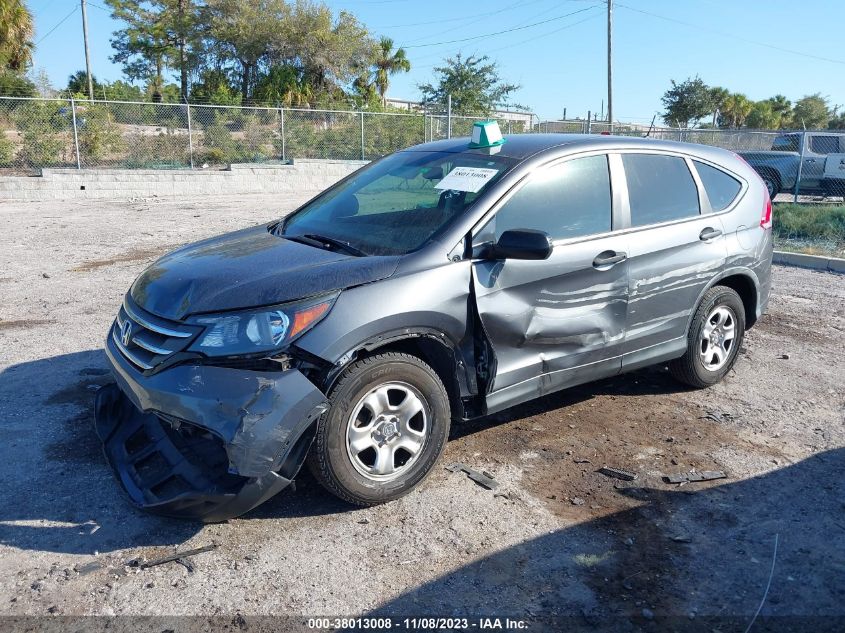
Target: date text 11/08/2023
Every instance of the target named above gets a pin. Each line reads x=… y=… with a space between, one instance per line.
x=419 y=624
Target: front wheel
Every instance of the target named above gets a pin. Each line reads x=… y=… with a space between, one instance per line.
x=387 y=426
x=714 y=339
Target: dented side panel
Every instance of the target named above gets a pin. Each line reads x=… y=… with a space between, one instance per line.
x=546 y=317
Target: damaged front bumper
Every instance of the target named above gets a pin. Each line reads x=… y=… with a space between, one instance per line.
x=204 y=442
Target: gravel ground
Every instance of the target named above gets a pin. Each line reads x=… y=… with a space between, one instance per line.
x=556 y=539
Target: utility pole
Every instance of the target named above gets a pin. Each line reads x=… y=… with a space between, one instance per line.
x=87 y=56
x=610 y=63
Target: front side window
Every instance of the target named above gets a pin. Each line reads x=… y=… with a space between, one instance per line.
x=720 y=187
x=396 y=205
x=660 y=188
x=567 y=200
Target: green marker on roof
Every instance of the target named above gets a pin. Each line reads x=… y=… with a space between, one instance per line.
x=486 y=134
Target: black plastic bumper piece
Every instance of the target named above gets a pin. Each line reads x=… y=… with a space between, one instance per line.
x=174 y=470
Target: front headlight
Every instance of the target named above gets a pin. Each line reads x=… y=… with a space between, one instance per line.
x=258 y=331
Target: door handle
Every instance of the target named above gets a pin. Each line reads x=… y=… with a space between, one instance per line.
x=709 y=233
x=608 y=258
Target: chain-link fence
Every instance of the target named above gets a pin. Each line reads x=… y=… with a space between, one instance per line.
x=39 y=133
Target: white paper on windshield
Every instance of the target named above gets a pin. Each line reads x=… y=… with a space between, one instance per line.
x=470 y=179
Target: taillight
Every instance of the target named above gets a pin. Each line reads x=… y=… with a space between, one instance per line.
x=766 y=219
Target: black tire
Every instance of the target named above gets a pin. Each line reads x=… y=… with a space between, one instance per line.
x=690 y=369
x=772 y=184
x=330 y=460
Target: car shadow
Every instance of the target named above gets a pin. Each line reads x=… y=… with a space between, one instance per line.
x=59 y=494
x=682 y=559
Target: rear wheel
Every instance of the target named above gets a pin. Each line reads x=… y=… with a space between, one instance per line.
x=714 y=339
x=772 y=185
x=386 y=428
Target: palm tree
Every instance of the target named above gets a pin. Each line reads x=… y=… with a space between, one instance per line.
x=783 y=108
x=388 y=63
x=16 y=30
x=736 y=109
x=717 y=99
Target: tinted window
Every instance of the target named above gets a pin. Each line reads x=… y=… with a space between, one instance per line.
x=720 y=187
x=660 y=188
x=571 y=199
x=787 y=143
x=824 y=144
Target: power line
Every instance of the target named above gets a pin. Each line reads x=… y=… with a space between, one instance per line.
x=517 y=28
x=732 y=36
x=485 y=16
x=521 y=42
x=60 y=22
x=474 y=16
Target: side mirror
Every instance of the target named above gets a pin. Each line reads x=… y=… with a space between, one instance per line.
x=522 y=244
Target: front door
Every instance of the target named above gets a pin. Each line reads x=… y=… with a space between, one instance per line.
x=546 y=319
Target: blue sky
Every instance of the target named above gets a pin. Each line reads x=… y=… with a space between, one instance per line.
x=561 y=63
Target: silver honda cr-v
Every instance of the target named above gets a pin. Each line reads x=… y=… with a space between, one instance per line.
x=440 y=283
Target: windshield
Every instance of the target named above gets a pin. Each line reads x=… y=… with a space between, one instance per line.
x=396 y=205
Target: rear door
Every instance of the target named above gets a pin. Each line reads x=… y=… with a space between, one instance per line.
x=546 y=318
x=676 y=247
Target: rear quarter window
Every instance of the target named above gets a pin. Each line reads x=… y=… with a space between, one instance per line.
x=722 y=189
x=660 y=188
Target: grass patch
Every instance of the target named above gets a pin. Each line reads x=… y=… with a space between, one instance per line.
x=813 y=229
x=809 y=221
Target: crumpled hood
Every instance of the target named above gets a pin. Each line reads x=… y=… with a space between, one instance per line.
x=246 y=269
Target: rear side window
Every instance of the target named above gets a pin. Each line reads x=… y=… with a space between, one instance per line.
x=824 y=144
x=660 y=188
x=721 y=188
x=571 y=199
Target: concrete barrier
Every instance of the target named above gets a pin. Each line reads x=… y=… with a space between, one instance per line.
x=815 y=262
x=307 y=175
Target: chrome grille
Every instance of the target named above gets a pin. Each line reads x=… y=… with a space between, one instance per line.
x=145 y=340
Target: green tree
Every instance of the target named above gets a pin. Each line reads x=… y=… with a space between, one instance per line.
x=782 y=107
x=388 y=62
x=811 y=112
x=735 y=110
x=157 y=35
x=215 y=88
x=473 y=82
x=330 y=52
x=16 y=30
x=763 y=116
x=77 y=84
x=14 y=85
x=717 y=96
x=122 y=91
x=245 y=31
x=687 y=102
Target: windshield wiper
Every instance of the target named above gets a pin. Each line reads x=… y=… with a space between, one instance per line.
x=322 y=241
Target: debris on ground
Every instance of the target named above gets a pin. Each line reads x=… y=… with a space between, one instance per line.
x=618 y=473
x=784 y=357
x=87 y=568
x=717 y=416
x=576 y=501
x=581 y=461
x=705 y=475
x=483 y=478
x=177 y=557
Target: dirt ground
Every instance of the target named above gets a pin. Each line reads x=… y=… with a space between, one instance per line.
x=557 y=540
